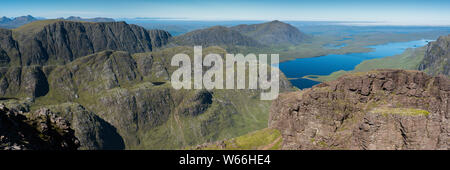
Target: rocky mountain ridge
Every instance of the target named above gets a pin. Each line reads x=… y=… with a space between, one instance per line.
x=50 y=42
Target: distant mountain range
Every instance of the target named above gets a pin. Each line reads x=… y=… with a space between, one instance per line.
x=9 y=23
x=97 y=19
x=255 y=35
x=16 y=22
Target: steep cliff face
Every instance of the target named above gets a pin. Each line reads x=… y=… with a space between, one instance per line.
x=59 y=42
x=9 y=49
x=23 y=81
x=437 y=57
x=382 y=109
x=40 y=130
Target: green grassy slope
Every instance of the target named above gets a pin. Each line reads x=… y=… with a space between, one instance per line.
x=265 y=139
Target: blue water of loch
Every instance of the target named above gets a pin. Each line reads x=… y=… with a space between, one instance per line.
x=325 y=65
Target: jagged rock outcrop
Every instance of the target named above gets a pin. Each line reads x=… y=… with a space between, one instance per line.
x=92 y=131
x=382 y=109
x=272 y=33
x=437 y=57
x=40 y=130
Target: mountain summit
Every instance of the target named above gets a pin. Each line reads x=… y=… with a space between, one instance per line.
x=274 y=32
x=218 y=35
x=256 y=35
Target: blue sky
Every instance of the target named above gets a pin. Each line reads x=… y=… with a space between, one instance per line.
x=402 y=12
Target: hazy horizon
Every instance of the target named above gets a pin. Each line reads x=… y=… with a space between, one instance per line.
x=382 y=12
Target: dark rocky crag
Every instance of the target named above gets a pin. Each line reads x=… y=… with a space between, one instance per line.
x=92 y=131
x=382 y=109
x=9 y=49
x=437 y=57
x=40 y=130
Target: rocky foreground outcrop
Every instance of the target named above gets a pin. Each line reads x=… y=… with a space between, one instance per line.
x=382 y=109
x=40 y=130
